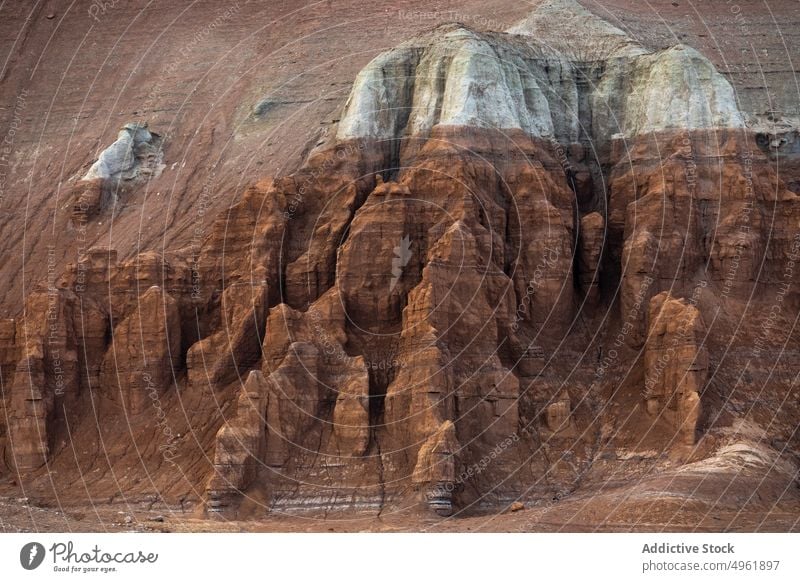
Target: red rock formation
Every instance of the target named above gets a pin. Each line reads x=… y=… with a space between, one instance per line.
x=447 y=314
x=45 y=379
x=234 y=346
x=590 y=250
x=436 y=468
x=676 y=364
x=692 y=207
x=144 y=357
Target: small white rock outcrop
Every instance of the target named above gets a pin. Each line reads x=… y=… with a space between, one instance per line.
x=136 y=152
x=135 y=157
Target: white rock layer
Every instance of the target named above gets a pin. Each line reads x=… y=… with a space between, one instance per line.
x=569 y=28
x=533 y=78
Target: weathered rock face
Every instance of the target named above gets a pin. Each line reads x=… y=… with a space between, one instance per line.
x=472 y=239
x=436 y=468
x=460 y=78
x=135 y=156
x=442 y=307
x=221 y=356
x=134 y=153
x=45 y=378
x=676 y=364
x=691 y=206
x=144 y=356
x=591 y=243
x=558 y=414
x=240 y=445
x=576 y=32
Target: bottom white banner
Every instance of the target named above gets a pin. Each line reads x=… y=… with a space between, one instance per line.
x=389 y=557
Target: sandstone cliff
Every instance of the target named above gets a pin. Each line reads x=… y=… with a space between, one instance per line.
x=518 y=269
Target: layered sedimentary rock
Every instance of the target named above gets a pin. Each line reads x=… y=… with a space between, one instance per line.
x=444 y=79
x=487 y=231
x=143 y=358
x=690 y=206
x=577 y=32
x=676 y=364
x=235 y=346
x=591 y=243
x=239 y=445
x=436 y=468
x=558 y=414
x=443 y=308
x=45 y=378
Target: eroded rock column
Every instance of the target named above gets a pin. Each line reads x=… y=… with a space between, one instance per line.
x=676 y=364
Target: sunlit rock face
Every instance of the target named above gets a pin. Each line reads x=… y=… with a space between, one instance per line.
x=487 y=197
x=130 y=154
x=677 y=88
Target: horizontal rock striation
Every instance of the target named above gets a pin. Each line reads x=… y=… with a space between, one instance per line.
x=516 y=271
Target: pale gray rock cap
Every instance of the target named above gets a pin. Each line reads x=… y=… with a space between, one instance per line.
x=571 y=29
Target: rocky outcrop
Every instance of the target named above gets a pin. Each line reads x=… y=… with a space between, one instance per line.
x=144 y=356
x=351 y=422
x=591 y=242
x=676 y=364
x=136 y=155
x=240 y=446
x=558 y=414
x=444 y=306
x=133 y=154
x=698 y=96
x=540 y=80
x=478 y=241
x=579 y=33
x=44 y=379
x=310 y=373
x=687 y=207
x=235 y=346
x=8 y=361
x=436 y=468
